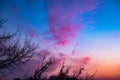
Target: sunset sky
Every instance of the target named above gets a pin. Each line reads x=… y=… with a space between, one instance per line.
x=77 y=29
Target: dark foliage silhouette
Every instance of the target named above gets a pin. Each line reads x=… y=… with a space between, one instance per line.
x=62 y=75
x=13 y=52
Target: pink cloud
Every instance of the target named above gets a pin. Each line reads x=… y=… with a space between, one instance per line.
x=85 y=60
x=62 y=18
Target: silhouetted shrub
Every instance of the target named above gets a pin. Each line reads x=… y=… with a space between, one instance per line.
x=63 y=74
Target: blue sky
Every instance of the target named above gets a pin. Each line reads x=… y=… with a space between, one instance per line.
x=17 y=12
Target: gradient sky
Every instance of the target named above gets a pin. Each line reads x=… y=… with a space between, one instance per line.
x=91 y=27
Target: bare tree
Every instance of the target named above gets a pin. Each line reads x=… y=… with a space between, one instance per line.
x=13 y=50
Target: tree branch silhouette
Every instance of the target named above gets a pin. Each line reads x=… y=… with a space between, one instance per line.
x=13 y=51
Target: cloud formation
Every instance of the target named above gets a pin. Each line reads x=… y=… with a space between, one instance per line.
x=65 y=18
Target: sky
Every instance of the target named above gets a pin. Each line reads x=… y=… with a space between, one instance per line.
x=87 y=30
